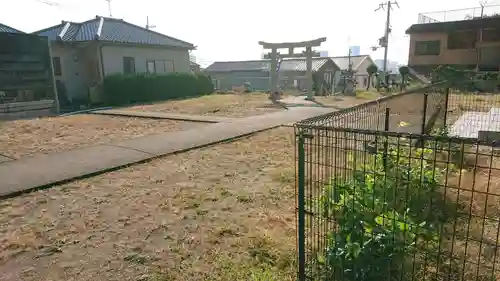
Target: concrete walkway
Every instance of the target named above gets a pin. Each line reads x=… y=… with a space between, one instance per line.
x=163 y=115
x=43 y=170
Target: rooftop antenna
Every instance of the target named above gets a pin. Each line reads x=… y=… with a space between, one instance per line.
x=109 y=7
x=149 y=26
x=483 y=4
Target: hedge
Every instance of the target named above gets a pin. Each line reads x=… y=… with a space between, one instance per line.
x=122 y=89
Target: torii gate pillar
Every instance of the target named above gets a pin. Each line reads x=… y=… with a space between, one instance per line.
x=273 y=55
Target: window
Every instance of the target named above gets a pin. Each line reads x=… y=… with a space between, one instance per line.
x=427 y=48
x=150 y=66
x=128 y=65
x=160 y=66
x=491 y=35
x=56 y=63
x=463 y=39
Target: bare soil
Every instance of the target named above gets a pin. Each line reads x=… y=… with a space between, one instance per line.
x=45 y=135
x=220 y=213
x=345 y=101
x=228 y=105
x=471 y=244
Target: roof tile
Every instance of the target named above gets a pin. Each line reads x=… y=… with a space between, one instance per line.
x=293 y=64
x=343 y=62
x=113 y=30
x=5 y=28
x=226 y=66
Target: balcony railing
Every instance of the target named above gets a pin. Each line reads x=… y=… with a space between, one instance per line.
x=460 y=14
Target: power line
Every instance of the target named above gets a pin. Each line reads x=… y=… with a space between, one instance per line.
x=384 y=41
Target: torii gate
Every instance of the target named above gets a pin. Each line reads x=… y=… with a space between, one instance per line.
x=309 y=54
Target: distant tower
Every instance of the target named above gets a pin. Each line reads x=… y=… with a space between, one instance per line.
x=355 y=50
x=323 y=54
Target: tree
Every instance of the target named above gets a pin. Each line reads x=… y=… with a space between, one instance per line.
x=371 y=69
x=404 y=71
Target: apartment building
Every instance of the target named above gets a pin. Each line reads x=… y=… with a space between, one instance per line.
x=470 y=43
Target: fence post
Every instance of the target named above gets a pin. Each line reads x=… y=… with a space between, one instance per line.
x=446 y=98
x=387 y=116
x=424 y=113
x=301 y=170
x=386 y=139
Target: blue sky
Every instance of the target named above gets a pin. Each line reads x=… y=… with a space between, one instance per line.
x=227 y=30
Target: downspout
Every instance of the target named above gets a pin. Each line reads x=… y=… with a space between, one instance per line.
x=102 y=62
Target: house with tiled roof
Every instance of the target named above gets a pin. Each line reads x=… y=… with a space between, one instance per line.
x=359 y=64
x=84 y=53
x=8 y=29
x=292 y=73
x=228 y=74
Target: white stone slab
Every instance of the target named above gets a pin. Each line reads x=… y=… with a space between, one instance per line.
x=469 y=124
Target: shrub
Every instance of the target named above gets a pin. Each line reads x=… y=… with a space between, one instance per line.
x=380 y=217
x=126 y=89
x=205 y=82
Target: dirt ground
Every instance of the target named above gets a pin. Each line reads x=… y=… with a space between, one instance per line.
x=342 y=101
x=228 y=105
x=45 y=135
x=245 y=105
x=220 y=213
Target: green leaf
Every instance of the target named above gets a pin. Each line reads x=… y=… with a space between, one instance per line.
x=355 y=250
x=320 y=258
x=403 y=226
x=368 y=228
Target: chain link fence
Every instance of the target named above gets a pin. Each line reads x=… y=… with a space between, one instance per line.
x=385 y=194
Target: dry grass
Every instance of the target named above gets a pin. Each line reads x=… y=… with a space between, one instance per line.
x=220 y=213
x=229 y=105
x=45 y=135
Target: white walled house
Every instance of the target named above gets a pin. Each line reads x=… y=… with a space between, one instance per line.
x=84 y=53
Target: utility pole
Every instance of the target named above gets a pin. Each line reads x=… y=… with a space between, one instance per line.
x=148 y=26
x=384 y=41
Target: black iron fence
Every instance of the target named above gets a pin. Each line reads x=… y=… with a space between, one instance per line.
x=413 y=111
x=373 y=205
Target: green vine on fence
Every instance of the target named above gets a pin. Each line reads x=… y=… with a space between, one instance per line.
x=382 y=216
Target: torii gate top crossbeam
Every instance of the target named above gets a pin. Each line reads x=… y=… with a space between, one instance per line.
x=286 y=45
